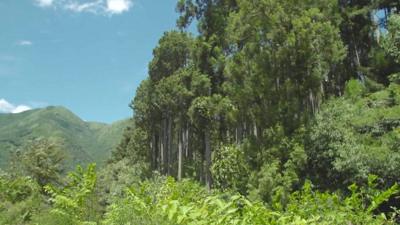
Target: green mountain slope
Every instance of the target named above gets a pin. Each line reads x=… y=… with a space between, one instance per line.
x=83 y=141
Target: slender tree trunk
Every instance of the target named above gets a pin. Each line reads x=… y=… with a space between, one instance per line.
x=169 y=143
x=255 y=130
x=207 y=171
x=162 y=150
x=357 y=60
x=181 y=135
x=154 y=151
x=188 y=151
x=184 y=140
x=165 y=146
x=240 y=133
x=312 y=102
x=158 y=151
x=244 y=131
x=236 y=135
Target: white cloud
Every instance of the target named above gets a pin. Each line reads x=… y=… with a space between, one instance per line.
x=25 y=43
x=102 y=7
x=6 y=107
x=21 y=108
x=44 y=3
x=118 y=6
x=93 y=7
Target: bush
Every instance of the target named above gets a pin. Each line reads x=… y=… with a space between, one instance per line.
x=19 y=199
x=230 y=169
x=75 y=203
x=164 y=201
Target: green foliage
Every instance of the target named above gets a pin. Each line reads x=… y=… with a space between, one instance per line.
x=278 y=168
x=114 y=178
x=391 y=43
x=19 y=199
x=354 y=89
x=282 y=61
x=163 y=201
x=74 y=203
x=145 y=204
x=206 y=110
x=230 y=169
x=171 y=54
x=167 y=202
x=333 y=208
x=352 y=138
x=41 y=159
x=246 y=90
x=268 y=94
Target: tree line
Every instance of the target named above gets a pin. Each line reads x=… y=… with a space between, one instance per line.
x=239 y=97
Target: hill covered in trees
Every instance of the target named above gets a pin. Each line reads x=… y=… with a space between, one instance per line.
x=275 y=112
x=83 y=142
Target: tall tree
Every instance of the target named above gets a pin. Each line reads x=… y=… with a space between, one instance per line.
x=286 y=55
x=204 y=113
x=172 y=54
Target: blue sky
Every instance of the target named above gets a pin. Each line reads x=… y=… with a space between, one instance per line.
x=86 y=55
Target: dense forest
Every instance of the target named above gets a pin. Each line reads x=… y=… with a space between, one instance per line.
x=273 y=112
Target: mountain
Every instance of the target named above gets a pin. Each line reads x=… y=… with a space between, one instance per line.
x=83 y=141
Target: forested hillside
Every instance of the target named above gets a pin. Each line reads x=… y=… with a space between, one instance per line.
x=274 y=112
x=82 y=142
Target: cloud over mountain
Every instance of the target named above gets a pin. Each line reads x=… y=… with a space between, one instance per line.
x=6 y=107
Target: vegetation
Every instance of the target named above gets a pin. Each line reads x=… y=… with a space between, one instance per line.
x=276 y=112
x=162 y=200
x=82 y=142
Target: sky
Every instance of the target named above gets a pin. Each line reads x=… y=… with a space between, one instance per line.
x=86 y=55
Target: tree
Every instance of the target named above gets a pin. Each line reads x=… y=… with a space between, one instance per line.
x=175 y=95
x=75 y=203
x=206 y=113
x=212 y=45
x=391 y=43
x=43 y=160
x=284 y=60
x=255 y=78
x=172 y=54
